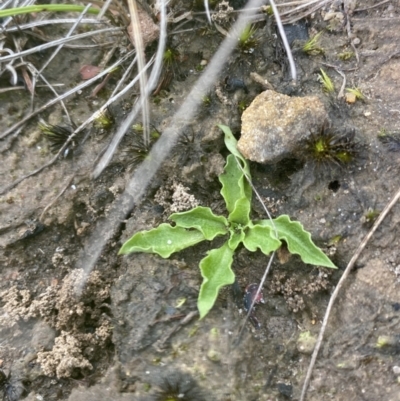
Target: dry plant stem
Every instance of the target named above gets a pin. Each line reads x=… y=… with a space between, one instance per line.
x=369 y=8
x=348 y=28
x=154 y=76
x=58 y=42
x=72 y=29
x=263 y=278
x=123 y=78
x=56 y=198
x=296 y=3
x=35 y=73
x=140 y=179
x=104 y=9
x=63 y=96
x=290 y=19
x=207 y=8
x=302 y=5
x=137 y=38
x=335 y=293
x=284 y=40
x=19 y=88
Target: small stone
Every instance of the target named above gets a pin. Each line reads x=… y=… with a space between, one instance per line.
x=396 y=370
x=356 y=41
x=276 y=126
x=350 y=98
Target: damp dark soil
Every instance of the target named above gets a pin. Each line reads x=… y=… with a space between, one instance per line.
x=132 y=331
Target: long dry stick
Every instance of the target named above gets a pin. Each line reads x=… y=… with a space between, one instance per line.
x=138 y=40
x=335 y=293
x=58 y=42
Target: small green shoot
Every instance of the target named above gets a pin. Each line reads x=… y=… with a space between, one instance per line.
x=311 y=46
x=327 y=147
x=370 y=217
x=345 y=56
x=247 y=40
x=356 y=92
x=206 y=101
x=12 y=12
x=200 y=224
x=104 y=120
x=327 y=84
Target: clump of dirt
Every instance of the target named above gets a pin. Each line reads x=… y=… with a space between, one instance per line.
x=296 y=287
x=175 y=197
x=81 y=321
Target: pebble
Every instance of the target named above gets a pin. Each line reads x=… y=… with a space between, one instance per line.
x=396 y=370
x=276 y=126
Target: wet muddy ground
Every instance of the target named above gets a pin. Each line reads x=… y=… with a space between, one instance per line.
x=133 y=332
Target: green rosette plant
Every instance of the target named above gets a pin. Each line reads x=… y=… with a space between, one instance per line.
x=201 y=224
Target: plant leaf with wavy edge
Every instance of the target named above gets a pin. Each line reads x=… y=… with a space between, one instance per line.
x=262 y=237
x=231 y=144
x=234 y=193
x=163 y=240
x=216 y=271
x=298 y=241
x=202 y=219
x=236 y=238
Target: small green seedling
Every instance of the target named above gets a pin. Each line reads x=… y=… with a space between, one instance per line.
x=247 y=39
x=311 y=46
x=200 y=224
x=327 y=84
x=12 y=12
x=356 y=92
x=345 y=56
x=104 y=120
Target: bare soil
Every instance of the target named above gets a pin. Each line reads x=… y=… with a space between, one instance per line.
x=133 y=329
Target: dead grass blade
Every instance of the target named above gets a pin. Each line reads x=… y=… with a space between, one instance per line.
x=138 y=41
x=58 y=42
x=154 y=76
x=284 y=40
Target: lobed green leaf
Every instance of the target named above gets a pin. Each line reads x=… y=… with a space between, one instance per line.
x=217 y=273
x=163 y=240
x=202 y=219
x=261 y=237
x=298 y=241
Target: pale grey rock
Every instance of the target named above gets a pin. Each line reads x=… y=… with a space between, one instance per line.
x=276 y=126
